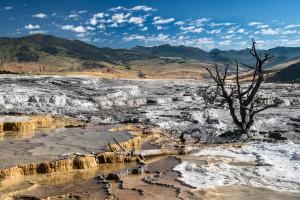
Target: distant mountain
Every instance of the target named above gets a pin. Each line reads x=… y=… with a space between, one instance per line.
x=281 y=54
x=167 y=50
x=47 y=53
x=43 y=48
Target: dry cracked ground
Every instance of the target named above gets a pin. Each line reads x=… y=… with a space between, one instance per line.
x=261 y=169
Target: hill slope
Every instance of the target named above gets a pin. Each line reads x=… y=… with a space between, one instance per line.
x=281 y=54
x=55 y=51
x=49 y=54
x=289 y=74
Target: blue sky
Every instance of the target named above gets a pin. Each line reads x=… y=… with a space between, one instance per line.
x=207 y=24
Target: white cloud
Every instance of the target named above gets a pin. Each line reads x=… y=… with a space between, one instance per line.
x=161 y=37
x=197 y=30
x=204 y=41
x=263 y=26
x=30 y=26
x=120 y=17
x=292 y=26
x=144 y=28
x=74 y=15
x=143 y=8
x=40 y=15
x=270 y=31
x=94 y=19
x=134 y=37
x=159 y=28
x=259 y=25
x=159 y=20
x=152 y=38
x=8 y=7
x=82 y=11
x=179 y=23
x=213 y=24
x=241 y=30
x=200 y=22
x=286 y=32
x=228 y=36
x=215 y=31
x=77 y=29
x=90 y=28
x=37 y=32
x=192 y=29
x=225 y=43
x=117 y=8
x=188 y=28
x=254 y=23
x=113 y=25
x=101 y=26
x=136 y=20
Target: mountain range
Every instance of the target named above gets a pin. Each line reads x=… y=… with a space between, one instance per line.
x=49 y=54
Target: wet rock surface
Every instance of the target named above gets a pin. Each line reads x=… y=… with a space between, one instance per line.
x=48 y=145
x=173 y=105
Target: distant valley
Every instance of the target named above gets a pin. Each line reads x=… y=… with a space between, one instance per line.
x=49 y=54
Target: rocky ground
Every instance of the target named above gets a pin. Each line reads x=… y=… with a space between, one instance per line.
x=172 y=106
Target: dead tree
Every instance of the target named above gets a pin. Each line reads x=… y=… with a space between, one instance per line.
x=244 y=101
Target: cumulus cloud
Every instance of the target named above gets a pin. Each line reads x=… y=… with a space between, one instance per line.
x=277 y=31
x=143 y=8
x=94 y=19
x=200 y=22
x=215 y=31
x=147 y=39
x=77 y=29
x=204 y=41
x=158 y=20
x=136 y=20
x=40 y=15
x=192 y=29
x=228 y=36
x=134 y=37
x=120 y=17
x=286 y=32
x=31 y=27
x=225 y=43
x=270 y=31
x=259 y=25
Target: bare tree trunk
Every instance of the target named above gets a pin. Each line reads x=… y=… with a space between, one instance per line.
x=243 y=104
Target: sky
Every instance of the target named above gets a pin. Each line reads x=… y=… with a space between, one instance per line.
x=207 y=24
